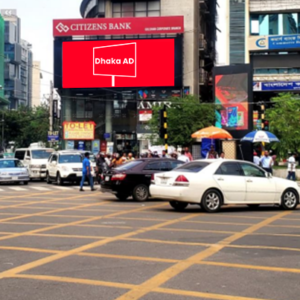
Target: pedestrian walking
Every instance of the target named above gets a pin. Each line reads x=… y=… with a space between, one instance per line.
x=86 y=172
x=124 y=158
x=222 y=155
x=188 y=154
x=267 y=162
x=292 y=167
x=130 y=157
x=183 y=157
x=212 y=154
x=256 y=159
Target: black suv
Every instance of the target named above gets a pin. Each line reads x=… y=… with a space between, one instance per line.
x=134 y=178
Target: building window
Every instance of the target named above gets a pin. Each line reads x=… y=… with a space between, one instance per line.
x=274 y=71
x=136 y=9
x=274 y=24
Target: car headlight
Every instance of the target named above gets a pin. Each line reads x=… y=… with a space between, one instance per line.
x=35 y=166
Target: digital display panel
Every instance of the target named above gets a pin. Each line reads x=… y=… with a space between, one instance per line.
x=231 y=92
x=118 y=63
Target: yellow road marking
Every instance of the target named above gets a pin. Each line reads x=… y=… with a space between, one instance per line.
x=253 y=267
x=65 y=235
x=159 y=279
x=29 y=249
x=31 y=265
x=203 y=295
x=29 y=195
x=76 y=280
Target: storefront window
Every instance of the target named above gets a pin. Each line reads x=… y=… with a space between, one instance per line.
x=136 y=9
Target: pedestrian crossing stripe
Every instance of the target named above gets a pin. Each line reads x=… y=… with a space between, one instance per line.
x=17 y=189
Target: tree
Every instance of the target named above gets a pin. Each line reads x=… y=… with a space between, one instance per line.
x=284 y=122
x=185 y=116
x=26 y=125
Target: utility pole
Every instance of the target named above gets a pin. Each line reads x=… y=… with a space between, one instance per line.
x=51 y=108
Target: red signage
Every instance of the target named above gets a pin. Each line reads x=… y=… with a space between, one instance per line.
x=119 y=26
x=118 y=63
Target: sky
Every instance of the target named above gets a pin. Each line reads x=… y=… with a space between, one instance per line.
x=36 y=28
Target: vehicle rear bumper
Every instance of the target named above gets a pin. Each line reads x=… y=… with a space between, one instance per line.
x=176 y=193
x=9 y=179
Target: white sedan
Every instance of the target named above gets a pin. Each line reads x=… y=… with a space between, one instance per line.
x=212 y=183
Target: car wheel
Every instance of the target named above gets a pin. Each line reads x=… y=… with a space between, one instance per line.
x=289 y=199
x=178 y=206
x=48 y=179
x=211 y=201
x=253 y=205
x=122 y=197
x=59 y=181
x=140 y=193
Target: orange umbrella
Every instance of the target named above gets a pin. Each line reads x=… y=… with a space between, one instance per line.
x=212 y=132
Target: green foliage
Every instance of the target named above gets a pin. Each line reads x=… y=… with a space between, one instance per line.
x=284 y=118
x=185 y=116
x=26 y=125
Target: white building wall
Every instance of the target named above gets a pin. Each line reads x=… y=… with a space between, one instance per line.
x=190 y=10
x=274 y=5
x=36 y=84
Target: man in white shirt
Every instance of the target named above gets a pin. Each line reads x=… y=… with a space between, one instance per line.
x=292 y=167
x=256 y=159
x=183 y=157
x=267 y=162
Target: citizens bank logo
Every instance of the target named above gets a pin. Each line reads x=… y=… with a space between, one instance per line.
x=62 y=28
x=261 y=43
x=115 y=61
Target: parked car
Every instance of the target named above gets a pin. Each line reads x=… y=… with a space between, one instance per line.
x=12 y=170
x=65 y=166
x=212 y=183
x=35 y=159
x=134 y=178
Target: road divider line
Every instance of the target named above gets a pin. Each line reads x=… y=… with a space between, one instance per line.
x=156 y=281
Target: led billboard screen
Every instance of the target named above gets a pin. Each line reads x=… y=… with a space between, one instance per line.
x=231 y=92
x=120 y=63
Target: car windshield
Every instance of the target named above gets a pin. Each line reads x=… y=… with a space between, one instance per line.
x=192 y=167
x=41 y=154
x=70 y=158
x=129 y=165
x=10 y=163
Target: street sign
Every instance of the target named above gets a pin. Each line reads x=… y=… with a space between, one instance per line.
x=106 y=135
x=53 y=136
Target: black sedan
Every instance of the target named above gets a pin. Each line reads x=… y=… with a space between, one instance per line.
x=134 y=178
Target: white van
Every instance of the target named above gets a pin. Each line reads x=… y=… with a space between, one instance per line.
x=35 y=159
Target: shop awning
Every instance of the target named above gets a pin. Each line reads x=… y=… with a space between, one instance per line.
x=4 y=101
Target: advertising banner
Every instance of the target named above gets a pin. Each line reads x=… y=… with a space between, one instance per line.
x=118 y=26
x=96 y=146
x=145 y=115
x=118 y=63
x=79 y=130
x=274 y=42
x=53 y=136
x=276 y=86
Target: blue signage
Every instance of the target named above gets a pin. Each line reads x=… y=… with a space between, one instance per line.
x=284 y=41
x=81 y=145
x=276 y=86
x=106 y=135
x=96 y=146
x=53 y=136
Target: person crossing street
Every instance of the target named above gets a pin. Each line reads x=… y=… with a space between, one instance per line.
x=86 y=172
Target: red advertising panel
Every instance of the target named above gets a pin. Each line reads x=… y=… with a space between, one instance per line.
x=118 y=63
x=118 y=26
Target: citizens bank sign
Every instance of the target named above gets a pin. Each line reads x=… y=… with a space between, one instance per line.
x=118 y=26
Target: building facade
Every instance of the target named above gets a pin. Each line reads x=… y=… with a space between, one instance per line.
x=267 y=35
x=18 y=61
x=36 y=84
x=2 y=100
x=120 y=114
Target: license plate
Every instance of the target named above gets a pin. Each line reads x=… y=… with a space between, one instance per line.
x=107 y=178
x=15 y=178
x=164 y=181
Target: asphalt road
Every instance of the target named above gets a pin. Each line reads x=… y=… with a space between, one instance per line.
x=59 y=244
